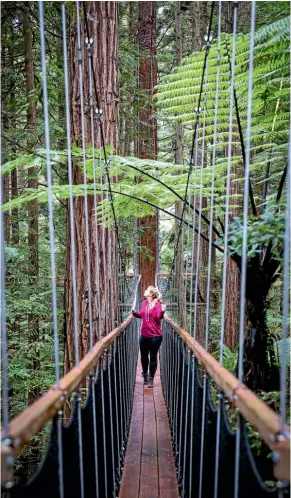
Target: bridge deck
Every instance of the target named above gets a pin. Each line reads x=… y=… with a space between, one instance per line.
x=149 y=469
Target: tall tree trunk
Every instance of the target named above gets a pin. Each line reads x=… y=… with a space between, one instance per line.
x=127 y=140
x=199 y=24
x=179 y=270
x=233 y=273
x=105 y=61
x=147 y=142
x=261 y=371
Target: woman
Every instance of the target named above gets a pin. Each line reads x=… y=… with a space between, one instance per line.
x=151 y=313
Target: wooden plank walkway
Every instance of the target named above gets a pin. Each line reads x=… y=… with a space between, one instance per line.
x=149 y=467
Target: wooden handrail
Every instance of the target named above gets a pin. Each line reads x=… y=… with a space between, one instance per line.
x=26 y=425
x=253 y=409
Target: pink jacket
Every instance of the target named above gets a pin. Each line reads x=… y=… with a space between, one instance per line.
x=151 y=319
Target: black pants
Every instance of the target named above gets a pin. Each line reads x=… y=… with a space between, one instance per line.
x=149 y=346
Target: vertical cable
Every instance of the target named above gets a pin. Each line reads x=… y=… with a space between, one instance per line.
x=246 y=198
x=193 y=367
x=88 y=46
x=244 y=244
x=187 y=263
x=71 y=198
x=110 y=414
x=4 y=348
x=99 y=117
x=88 y=259
x=181 y=411
x=4 y=344
x=51 y=236
x=50 y=195
x=110 y=293
x=201 y=191
x=285 y=311
x=97 y=263
x=104 y=360
x=286 y=296
x=192 y=363
x=86 y=232
x=194 y=231
x=186 y=421
x=225 y=255
x=210 y=249
x=116 y=409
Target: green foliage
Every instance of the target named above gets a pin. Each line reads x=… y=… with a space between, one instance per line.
x=270 y=226
x=229 y=358
x=178 y=95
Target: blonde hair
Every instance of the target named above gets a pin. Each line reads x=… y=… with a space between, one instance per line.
x=152 y=291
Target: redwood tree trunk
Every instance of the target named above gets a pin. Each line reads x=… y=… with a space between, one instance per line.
x=147 y=142
x=199 y=24
x=233 y=273
x=105 y=60
x=128 y=120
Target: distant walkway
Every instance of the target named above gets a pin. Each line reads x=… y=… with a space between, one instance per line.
x=149 y=469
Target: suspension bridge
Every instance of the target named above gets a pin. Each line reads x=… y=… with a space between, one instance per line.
x=176 y=439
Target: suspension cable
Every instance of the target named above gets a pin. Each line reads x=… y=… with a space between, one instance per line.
x=226 y=230
x=4 y=345
x=51 y=238
x=89 y=52
x=97 y=271
x=208 y=287
x=245 y=241
x=286 y=295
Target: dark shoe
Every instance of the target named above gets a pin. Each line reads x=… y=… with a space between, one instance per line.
x=151 y=382
x=145 y=380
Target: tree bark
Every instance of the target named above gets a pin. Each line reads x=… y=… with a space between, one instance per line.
x=199 y=24
x=127 y=139
x=261 y=371
x=105 y=61
x=147 y=142
x=233 y=273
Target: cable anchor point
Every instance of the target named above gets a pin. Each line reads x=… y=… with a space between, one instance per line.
x=99 y=113
x=197 y=110
x=208 y=40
